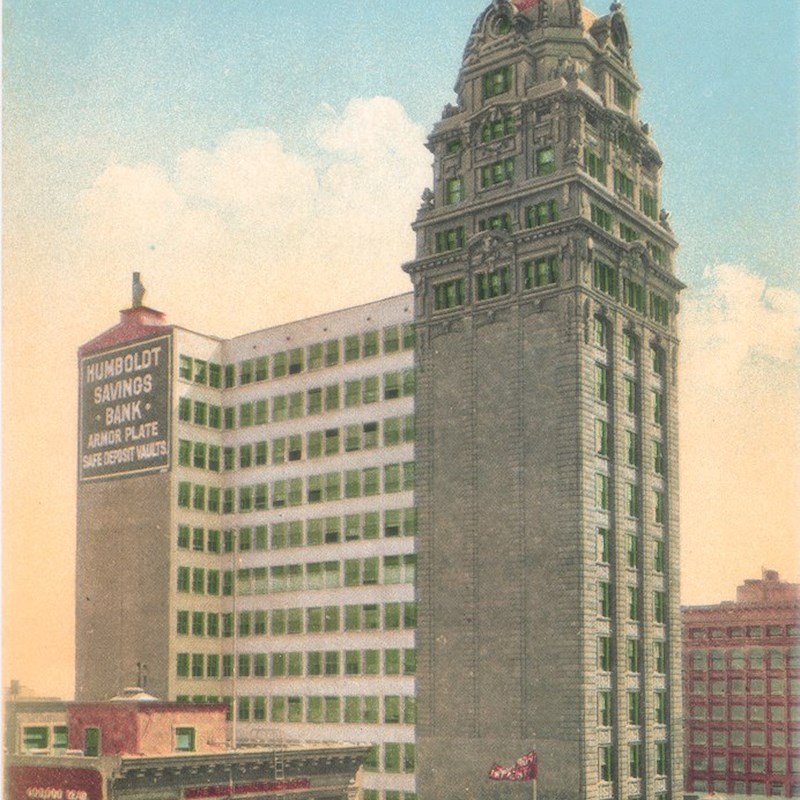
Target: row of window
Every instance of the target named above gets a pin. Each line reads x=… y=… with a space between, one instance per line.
x=501 y=80
x=752 y=657
x=776 y=764
x=753 y=788
x=754 y=737
x=315 y=444
x=752 y=632
x=606 y=280
x=752 y=686
x=632 y=550
x=299 y=404
x=605 y=602
x=604 y=441
x=295 y=491
x=737 y=712
x=311 y=664
x=630 y=346
x=44 y=737
x=496 y=283
x=391 y=339
x=635 y=754
x=623 y=184
x=300 y=533
x=605 y=220
x=605 y=707
x=299 y=621
x=297 y=577
x=388 y=794
x=633 y=654
x=631 y=399
x=542 y=213
x=502 y=171
x=632 y=499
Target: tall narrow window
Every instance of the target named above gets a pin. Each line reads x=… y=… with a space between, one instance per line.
x=605 y=708
x=605 y=278
x=601 y=382
x=545 y=161
x=602 y=498
x=454 y=190
x=606 y=757
x=604 y=599
x=91 y=740
x=601 y=437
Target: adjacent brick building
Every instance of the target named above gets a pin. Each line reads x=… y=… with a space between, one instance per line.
x=742 y=691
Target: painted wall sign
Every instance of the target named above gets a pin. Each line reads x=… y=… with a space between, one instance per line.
x=125 y=397
x=55 y=783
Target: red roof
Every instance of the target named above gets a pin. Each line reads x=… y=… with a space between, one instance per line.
x=135 y=323
x=524 y=5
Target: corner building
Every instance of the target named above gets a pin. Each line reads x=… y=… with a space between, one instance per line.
x=545 y=304
x=246 y=527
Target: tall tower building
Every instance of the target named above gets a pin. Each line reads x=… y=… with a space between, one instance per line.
x=545 y=305
x=444 y=524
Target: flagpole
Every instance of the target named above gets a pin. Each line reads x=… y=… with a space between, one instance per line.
x=535 y=781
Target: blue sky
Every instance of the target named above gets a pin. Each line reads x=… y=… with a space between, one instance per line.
x=260 y=161
x=142 y=81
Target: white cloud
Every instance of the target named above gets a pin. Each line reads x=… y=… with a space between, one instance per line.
x=739 y=396
x=740 y=317
x=268 y=224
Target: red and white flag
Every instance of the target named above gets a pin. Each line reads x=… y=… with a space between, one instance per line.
x=525 y=769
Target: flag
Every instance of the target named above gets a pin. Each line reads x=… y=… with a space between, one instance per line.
x=525 y=769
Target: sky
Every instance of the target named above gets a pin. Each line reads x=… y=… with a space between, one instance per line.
x=261 y=160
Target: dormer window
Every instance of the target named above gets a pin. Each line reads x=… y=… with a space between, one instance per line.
x=454 y=146
x=496 y=82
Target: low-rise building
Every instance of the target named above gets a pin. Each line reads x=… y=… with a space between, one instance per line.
x=135 y=746
x=742 y=691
